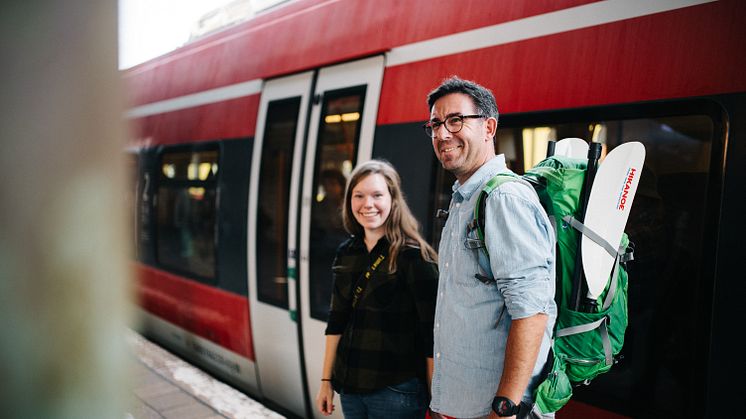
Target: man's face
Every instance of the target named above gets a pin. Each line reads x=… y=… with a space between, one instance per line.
x=467 y=150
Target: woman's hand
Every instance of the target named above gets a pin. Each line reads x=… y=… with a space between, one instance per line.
x=325 y=398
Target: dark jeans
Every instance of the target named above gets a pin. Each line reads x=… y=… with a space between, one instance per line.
x=407 y=400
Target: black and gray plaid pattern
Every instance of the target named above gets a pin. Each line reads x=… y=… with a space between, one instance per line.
x=387 y=337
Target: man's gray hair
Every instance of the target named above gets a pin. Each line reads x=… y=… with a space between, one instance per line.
x=482 y=97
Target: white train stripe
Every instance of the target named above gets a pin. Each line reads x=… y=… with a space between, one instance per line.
x=578 y=17
x=206 y=97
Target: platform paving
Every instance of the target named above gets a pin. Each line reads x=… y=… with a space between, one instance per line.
x=166 y=387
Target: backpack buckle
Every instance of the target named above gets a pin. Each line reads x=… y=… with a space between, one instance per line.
x=473 y=243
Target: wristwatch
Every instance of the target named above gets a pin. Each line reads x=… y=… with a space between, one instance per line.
x=504 y=407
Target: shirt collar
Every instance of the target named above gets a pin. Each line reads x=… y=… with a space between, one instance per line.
x=488 y=170
x=381 y=246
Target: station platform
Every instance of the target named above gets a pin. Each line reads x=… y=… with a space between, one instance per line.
x=165 y=387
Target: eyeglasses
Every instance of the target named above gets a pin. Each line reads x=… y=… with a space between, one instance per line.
x=453 y=124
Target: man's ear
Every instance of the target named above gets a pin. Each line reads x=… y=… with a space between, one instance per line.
x=490 y=127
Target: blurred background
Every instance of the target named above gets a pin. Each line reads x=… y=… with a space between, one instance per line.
x=148 y=29
x=65 y=282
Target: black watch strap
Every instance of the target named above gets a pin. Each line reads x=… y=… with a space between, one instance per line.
x=504 y=407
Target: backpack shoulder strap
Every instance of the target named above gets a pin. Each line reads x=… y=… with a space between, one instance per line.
x=475 y=228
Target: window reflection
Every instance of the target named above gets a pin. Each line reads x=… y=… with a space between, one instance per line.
x=274 y=192
x=336 y=150
x=130 y=199
x=186 y=212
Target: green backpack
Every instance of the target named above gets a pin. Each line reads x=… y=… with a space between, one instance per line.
x=585 y=344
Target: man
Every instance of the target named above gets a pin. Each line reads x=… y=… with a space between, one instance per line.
x=491 y=337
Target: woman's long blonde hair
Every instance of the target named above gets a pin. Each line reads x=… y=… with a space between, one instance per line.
x=400 y=228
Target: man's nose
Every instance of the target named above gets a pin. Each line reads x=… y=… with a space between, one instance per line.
x=441 y=133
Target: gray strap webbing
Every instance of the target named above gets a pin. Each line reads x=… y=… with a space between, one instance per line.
x=612 y=286
x=607 y=343
x=619 y=255
x=599 y=324
x=581 y=328
x=577 y=225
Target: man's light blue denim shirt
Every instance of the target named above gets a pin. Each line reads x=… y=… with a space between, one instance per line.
x=472 y=319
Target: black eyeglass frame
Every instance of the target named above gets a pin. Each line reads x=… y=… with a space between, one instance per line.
x=431 y=126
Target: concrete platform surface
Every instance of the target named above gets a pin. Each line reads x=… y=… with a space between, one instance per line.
x=166 y=387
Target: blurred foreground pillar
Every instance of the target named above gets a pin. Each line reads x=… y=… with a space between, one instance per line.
x=63 y=252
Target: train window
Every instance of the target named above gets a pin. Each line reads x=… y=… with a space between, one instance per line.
x=339 y=130
x=274 y=190
x=133 y=177
x=666 y=225
x=444 y=181
x=679 y=143
x=187 y=212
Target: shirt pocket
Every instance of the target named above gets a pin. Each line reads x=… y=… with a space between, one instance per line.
x=384 y=294
x=466 y=267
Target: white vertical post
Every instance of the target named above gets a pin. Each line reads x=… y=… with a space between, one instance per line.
x=63 y=250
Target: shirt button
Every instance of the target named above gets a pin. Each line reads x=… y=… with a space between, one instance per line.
x=446 y=264
x=437 y=324
x=458 y=204
x=437 y=355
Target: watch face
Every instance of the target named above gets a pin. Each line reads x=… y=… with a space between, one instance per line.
x=504 y=406
x=501 y=405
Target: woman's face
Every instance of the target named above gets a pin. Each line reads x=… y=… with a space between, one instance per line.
x=371 y=203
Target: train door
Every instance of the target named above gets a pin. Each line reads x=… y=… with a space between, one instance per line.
x=340 y=134
x=273 y=214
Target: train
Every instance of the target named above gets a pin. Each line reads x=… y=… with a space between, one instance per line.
x=239 y=142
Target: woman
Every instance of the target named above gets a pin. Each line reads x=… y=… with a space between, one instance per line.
x=379 y=337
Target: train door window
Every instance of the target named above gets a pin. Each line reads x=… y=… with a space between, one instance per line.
x=144 y=223
x=187 y=213
x=274 y=192
x=666 y=225
x=133 y=175
x=444 y=181
x=339 y=130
